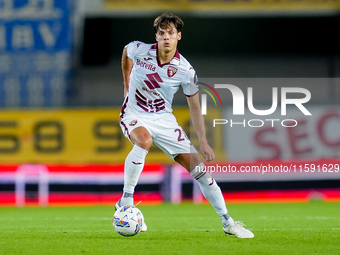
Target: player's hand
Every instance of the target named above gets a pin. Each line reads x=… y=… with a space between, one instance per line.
x=207 y=151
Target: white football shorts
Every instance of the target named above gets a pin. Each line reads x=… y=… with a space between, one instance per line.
x=165 y=132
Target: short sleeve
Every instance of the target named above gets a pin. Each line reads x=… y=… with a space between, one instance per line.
x=132 y=48
x=189 y=84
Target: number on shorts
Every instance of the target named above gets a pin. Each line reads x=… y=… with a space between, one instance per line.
x=180 y=138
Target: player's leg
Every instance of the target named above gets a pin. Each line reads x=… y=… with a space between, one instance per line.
x=171 y=139
x=212 y=192
x=134 y=162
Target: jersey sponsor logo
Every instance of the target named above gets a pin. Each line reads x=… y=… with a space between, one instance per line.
x=145 y=65
x=146 y=59
x=132 y=123
x=171 y=71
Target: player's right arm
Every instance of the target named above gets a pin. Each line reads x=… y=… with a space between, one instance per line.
x=126 y=69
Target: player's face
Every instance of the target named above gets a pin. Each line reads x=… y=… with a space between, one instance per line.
x=168 y=38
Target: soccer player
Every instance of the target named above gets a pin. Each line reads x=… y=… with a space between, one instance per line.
x=152 y=75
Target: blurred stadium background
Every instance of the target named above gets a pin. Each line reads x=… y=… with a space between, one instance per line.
x=61 y=91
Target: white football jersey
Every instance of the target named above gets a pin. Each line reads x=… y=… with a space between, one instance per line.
x=152 y=85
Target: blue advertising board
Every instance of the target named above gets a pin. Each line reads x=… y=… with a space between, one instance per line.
x=36 y=44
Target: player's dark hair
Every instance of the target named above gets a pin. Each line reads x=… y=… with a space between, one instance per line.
x=165 y=19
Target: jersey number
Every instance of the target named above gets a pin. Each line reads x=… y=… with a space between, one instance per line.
x=152 y=83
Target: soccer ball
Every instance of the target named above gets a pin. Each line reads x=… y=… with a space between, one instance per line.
x=128 y=220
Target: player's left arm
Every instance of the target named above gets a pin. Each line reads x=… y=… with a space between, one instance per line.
x=198 y=124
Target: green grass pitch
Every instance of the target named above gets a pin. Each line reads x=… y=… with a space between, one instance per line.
x=306 y=228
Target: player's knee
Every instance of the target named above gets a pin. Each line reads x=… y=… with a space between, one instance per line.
x=142 y=138
x=144 y=142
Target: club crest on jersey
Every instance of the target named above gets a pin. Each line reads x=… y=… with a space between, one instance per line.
x=171 y=71
x=132 y=123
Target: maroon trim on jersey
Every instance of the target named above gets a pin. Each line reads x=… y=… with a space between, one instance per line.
x=122 y=111
x=161 y=65
x=159 y=104
x=149 y=105
x=126 y=129
x=177 y=56
x=152 y=109
x=192 y=94
x=141 y=99
x=141 y=95
x=143 y=107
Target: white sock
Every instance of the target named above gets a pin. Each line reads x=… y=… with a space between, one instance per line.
x=211 y=192
x=134 y=164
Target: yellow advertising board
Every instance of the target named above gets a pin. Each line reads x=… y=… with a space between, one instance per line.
x=222 y=5
x=78 y=136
